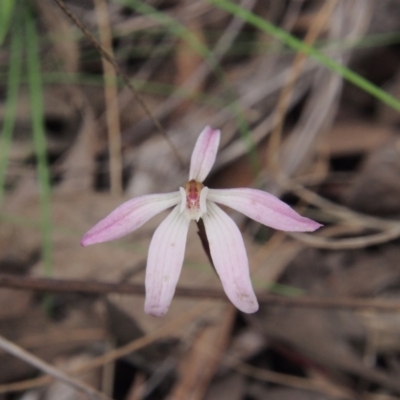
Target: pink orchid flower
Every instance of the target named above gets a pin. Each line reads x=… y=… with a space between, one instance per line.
x=192 y=202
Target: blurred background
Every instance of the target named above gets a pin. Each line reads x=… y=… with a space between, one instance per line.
x=305 y=93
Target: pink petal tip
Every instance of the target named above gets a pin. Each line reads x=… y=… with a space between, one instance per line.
x=204 y=153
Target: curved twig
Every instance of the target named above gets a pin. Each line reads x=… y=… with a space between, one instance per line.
x=43 y=366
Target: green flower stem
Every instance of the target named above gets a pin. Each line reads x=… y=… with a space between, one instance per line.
x=39 y=138
x=6 y=13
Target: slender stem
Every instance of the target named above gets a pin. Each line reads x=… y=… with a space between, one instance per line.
x=6 y=13
x=111 y=100
x=124 y=77
x=39 y=138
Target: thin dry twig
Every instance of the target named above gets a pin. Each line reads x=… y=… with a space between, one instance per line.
x=213 y=353
x=284 y=99
x=198 y=77
x=347 y=244
x=292 y=381
x=111 y=99
x=31 y=359
x=124 y=77
x=390 y=230
x=113 y=355
x=102 y=288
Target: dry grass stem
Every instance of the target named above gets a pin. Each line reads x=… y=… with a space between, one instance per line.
x=317 y=26
x=111 y=100
x=22 y=354
x=124 y=77
x=113 y=355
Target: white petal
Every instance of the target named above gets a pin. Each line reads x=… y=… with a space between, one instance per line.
x=129 y=216
x=182 y=192
x=263 y=207
x=230 y=259
x=204 y=154
x=164 y=262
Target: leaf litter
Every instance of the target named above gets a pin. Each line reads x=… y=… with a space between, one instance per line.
x=336 y=141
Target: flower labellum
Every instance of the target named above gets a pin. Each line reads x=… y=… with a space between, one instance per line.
x=192 y=202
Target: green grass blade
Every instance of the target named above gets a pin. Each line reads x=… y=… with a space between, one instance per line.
x=39 y=138
x=13 y=82
x=300 y=46
x=6 y=12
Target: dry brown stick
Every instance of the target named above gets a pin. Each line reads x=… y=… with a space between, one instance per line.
x=168 y=329
x=102 y=288
x=111 y=100
x=197 y=367
x=31 y=359
x=124 y=77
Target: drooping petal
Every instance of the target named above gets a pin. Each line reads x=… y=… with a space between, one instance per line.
x=204 y=154
x=164 y=262
x=230 y=259
x=264 y=208
x=129 y=216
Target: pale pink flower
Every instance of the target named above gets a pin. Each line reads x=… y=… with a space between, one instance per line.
x=192 y=202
